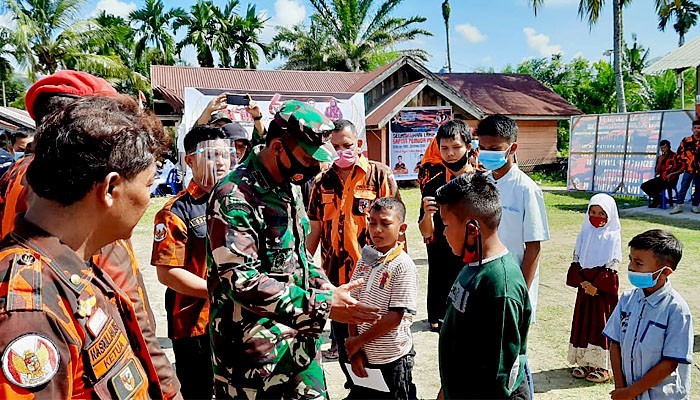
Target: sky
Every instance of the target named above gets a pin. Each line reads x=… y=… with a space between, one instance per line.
x=483 y=33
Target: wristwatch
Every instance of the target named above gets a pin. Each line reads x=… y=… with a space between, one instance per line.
x=258 y=118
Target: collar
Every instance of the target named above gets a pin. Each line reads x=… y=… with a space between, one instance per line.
x=657 y=297
x=195 y=190
x=73 y=271
x=488 y=260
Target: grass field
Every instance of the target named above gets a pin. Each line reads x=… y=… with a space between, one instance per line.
x=548 y=341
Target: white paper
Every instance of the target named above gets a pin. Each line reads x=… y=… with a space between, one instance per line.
x=374 y=380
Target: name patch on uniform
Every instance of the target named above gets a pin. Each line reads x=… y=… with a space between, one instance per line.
x=96 y=322
x=30 y=360
x=160 y=232
x=107 y=349
x=127 y=381
x=197 y=221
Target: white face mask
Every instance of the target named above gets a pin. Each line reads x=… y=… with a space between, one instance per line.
x=372 y=256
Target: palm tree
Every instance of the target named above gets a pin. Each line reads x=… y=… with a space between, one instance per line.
x=244 y=39
x=358 y=33
x=590 y=9
x=446 y=16
x=153 y=24
x=49 y=36
x=204 y=31
x=685 y=12
x=306 y=48
x=6 y=51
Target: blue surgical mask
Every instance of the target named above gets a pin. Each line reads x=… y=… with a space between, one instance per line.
x=18 y=154
x=644 y=280
x=493 y=160
x=475 y=143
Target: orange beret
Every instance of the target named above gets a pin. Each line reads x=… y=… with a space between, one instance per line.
x=67 y=83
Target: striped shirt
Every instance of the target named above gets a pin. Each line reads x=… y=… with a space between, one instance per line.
x=391 y=285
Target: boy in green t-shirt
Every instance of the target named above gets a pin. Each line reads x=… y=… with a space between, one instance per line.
x=483 y=340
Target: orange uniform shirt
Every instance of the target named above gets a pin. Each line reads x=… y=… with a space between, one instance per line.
x=179 y=241
x=688 y=156
x=66 y=330
x=342 y=209
x=116 y=259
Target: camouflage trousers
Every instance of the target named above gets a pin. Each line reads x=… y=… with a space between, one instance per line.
x=283 y=379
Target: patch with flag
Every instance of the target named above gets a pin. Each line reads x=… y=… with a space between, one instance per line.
x=30 y=360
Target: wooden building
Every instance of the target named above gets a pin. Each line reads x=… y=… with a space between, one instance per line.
x=402 y=83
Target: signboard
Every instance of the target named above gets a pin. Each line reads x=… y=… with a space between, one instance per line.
x=349 y=106
x=410 y=132
x=616 y=153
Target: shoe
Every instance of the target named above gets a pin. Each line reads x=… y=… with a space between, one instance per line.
x=677 y=209
x=695 y=209
x=331 y=354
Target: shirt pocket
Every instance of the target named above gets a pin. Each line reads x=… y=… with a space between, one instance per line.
x=653 y=337
x=362 y=201
x=328 y=204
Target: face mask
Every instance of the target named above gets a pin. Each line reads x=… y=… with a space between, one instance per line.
x=472 y=253
x=644 y=280
x=298 y=173
x=372 y=256
x=475 y=143
x=457 y=165
x=346 y=158
x=493 y=160
x=597 y=222
x=18 y=154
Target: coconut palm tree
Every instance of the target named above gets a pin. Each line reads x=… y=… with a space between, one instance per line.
x=206 y=30
x=244 y=39
x=49 y=35
x=685 y=12
x=590 y=10
x=360 y=30
x=306 y=48
x=153 y=24
x=446 y=16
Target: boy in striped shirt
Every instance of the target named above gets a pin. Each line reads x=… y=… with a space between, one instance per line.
x=391 y=284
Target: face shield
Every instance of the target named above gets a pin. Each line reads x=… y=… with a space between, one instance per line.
x=212 y=161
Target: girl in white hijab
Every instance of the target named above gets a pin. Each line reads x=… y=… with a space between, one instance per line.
x=597 y=254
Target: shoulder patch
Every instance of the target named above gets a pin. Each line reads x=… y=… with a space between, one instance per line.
x=160 y=232
x=30 y=360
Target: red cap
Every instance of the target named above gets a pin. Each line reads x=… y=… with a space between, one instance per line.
x=67 y=82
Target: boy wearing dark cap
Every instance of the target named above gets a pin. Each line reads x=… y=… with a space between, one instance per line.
x=268 y=301
x=236 y=132
x=483 y=340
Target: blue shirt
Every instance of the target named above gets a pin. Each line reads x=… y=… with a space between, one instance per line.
x=649 y=330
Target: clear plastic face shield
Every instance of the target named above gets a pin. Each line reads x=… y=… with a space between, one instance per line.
x=212 y=161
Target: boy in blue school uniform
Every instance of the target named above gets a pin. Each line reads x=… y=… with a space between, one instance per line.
x=651 y=329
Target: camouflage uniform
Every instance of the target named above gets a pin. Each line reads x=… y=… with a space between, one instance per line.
x=266 y=311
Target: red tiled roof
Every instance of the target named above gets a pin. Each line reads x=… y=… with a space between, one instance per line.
x=510 y=94
x=380 y=115
x=176 y=78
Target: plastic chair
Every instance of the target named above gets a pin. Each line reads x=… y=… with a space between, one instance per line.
x=171 y=181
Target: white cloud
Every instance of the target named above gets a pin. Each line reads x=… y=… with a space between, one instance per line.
x=114 y=7
x=487 y=60
x=471 y=33
x=541 y=43
x=7 y=21
x=287 y=13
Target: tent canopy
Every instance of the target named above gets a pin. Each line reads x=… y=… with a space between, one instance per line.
x=686 y=56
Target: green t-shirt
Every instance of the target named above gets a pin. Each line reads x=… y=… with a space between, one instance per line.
x=483 y=340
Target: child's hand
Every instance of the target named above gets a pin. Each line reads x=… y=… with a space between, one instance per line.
x=589 y=288
x=353 y=345
x=358 y=365
x=430 y=205
x=621 y=394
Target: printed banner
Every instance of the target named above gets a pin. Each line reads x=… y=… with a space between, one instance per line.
x=411 y=130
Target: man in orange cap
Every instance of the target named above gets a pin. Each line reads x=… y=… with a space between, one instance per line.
x=47 y=95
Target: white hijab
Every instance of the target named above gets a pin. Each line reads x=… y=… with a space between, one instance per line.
x=596 y=247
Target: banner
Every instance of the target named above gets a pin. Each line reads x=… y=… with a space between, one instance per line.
x=410 y=132
x=349 y=106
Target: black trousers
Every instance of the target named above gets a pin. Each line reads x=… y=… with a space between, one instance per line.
x=653 y=188
x=443 y=269
x=398 y=376
x=193 y=366
x=340 y=332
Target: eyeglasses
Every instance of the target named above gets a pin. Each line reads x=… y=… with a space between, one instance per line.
x=213 y=152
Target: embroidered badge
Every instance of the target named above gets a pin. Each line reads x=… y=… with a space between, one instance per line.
x=85 y=306
x=160 y=232
x=127 y=381
x=30 y=360
x=363 y=205
x=384 y=280
x=107 y=349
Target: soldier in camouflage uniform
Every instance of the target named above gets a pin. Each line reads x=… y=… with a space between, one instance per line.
x=268 y=301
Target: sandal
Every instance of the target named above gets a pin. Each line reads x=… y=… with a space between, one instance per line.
x=331 y=354
x=598 y=375
x=581 y=372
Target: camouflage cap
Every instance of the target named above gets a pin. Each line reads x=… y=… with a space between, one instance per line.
x=219 y=116
x=309 y=127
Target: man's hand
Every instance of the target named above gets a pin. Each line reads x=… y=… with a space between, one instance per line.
x=429 y=205
x=353 y=345
x=589 y=288
x=621 y=394
x=328 y=286
x=253 y=108
x=217 y=103
x=358 y=365
x=344 y=308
